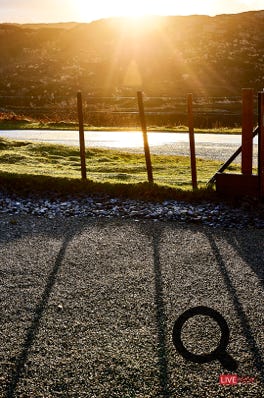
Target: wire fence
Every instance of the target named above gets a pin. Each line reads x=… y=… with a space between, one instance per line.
x=209 y=112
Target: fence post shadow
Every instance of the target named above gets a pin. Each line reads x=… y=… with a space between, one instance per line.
x=39 y=311
x=160 y=316
x=244 y=322
x=249 y=256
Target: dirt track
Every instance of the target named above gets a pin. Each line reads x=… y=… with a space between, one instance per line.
x=88 y=307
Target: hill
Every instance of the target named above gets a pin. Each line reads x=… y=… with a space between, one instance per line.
x=161 y=55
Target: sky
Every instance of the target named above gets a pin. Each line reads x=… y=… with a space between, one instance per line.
x=35 y=11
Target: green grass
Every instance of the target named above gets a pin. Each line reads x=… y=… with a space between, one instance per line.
x=38 y=167
x=38 y=125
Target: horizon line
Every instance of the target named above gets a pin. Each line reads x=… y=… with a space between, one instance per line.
x=127 y=17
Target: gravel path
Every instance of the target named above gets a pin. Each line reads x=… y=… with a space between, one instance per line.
x=88 y=306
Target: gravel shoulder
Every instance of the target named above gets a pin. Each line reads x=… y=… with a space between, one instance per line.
x=88 y=306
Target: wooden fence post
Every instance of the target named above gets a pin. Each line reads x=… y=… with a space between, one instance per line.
x=81 y=135
x=247 y=129
x=191 y=140
x=261 y=143
x=145 y=136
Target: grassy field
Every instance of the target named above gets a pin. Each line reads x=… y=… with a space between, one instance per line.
x=38 y=166
x=24 y=124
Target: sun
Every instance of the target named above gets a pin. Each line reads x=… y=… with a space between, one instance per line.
x=138 y=9
x=115 y=8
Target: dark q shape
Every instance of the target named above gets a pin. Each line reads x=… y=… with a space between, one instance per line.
x=219 y=353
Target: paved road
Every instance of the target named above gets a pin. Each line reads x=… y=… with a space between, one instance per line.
x=88 y=307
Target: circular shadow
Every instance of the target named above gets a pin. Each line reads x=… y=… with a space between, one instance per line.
x=219 y=352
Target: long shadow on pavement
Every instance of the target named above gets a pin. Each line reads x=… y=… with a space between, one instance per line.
x=252 y=344
x=38 y=314
x=251 y=251
x=160 y=314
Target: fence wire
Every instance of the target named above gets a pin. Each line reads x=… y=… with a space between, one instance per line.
x=169 y=112
x=209 y=112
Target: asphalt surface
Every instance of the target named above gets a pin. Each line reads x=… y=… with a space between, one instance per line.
x=88 y=307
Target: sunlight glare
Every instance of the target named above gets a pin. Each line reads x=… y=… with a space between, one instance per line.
x=137 y=9
x=115 y=8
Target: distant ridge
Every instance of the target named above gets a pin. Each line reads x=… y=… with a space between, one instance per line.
x=59 y=25
x=162 y=56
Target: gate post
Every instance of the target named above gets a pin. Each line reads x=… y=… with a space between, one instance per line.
x=247 y=129
x=261 y=143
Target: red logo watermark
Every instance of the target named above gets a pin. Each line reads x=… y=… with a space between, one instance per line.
x=232 y=379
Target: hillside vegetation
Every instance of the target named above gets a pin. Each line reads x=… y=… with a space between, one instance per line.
x=161 y=55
